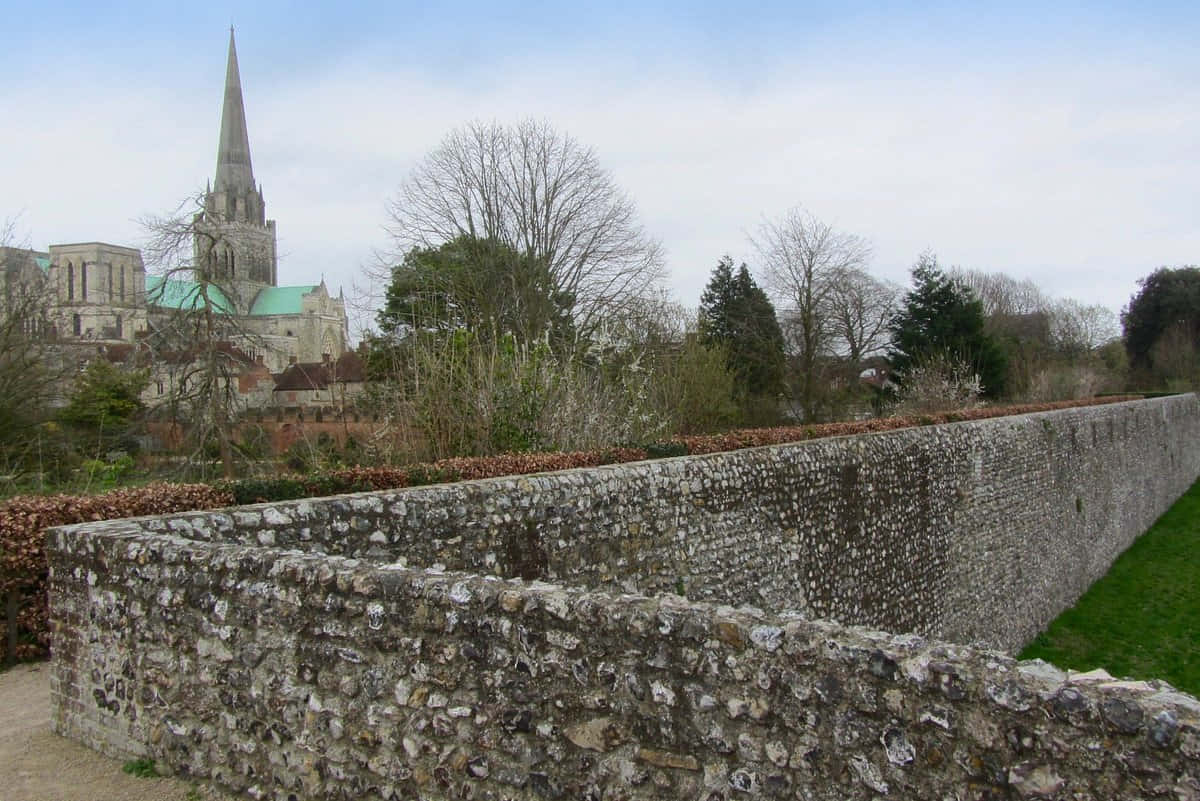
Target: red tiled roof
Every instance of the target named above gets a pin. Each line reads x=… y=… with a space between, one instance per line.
x=319 y=375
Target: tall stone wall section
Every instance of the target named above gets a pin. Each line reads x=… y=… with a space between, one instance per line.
x=351 y=648
x=977 y=532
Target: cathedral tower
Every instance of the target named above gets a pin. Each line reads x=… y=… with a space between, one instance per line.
x=233 y=238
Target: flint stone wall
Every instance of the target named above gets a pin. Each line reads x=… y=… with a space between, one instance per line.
x=286 y=675
x=977 y=532
x=317 y=649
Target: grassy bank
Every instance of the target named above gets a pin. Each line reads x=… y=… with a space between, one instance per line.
x=1142 y=619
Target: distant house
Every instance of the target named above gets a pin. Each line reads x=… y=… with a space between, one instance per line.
x=171 y=372
x=876 y=372
x=330 y=383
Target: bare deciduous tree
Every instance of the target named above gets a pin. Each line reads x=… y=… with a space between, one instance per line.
x=544 y=195
x=1074 y=328
x=861 y=308
x=31 y=375
x=801 y=258
x=1002 y=295
x=1052 y=344
x=1077 y=328
x=197 y=336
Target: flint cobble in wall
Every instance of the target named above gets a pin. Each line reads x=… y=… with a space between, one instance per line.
x=317 y=649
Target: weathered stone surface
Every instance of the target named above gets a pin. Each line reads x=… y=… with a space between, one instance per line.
x=598 y=734
x=1035 y=781
x=663 y=759
x=319 y=668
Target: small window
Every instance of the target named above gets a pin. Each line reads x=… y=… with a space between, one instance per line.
x=77 y=325
x=110 y=282
x=120 y=328
x=122 y=282
x=70 y=281
x=83 y=280
x=160 y=388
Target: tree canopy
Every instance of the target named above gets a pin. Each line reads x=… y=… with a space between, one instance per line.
x=105 y=398
x=737 y=315
x=545 y=196
x=1163 y=319
x=811 y=267
x=29 y=371
x=482 y=285
x=941 y=318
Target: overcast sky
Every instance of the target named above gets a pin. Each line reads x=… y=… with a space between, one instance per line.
x=1053 y=141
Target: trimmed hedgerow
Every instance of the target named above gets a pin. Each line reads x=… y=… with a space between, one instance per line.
x=22 y=556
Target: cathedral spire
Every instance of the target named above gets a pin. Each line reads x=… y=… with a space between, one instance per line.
x=235 y=214
x=234 y=173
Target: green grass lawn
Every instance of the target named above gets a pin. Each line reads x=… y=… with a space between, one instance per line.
x=1142 y=619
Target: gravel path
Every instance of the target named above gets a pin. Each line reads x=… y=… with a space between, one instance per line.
x=38 y=765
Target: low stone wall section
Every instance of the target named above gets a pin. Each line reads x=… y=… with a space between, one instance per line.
x=977 y=532
x=354 y=647
x=286 y=676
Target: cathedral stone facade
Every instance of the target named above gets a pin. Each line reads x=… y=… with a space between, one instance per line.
x=101 y=294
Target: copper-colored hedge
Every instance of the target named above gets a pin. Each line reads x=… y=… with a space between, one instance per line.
x=509 y=464
x=23 y=559
x=754 y=437
x=474 y=467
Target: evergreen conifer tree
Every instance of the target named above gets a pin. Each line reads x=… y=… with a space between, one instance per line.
x=941 y=318
x=736 y=314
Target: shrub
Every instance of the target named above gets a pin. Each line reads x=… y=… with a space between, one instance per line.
x=100 y=474
x=460 y=394
x=262 y=490
x=287 y=488
x=938 y=384
x=664 y=450
x=254 y=441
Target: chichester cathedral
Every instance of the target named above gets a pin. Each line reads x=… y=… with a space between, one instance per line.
x=104 y=302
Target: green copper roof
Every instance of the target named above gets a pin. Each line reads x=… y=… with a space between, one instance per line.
x=43 y=262
x=172 y=293
x=280 y=300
